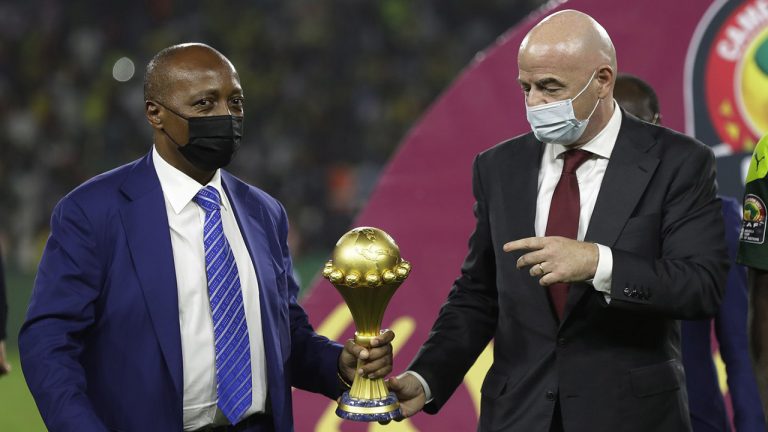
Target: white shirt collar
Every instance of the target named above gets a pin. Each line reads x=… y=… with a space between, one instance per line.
x=179 y=188
x=602 y=144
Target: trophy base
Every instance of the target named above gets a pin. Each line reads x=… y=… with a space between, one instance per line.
x=368 y=410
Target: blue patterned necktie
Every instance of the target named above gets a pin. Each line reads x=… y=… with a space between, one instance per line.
x=233 y=355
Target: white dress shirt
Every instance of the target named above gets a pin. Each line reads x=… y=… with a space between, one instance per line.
x=186 y=219
x=590 y=176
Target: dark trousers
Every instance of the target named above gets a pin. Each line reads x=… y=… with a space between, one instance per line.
x=254 y=423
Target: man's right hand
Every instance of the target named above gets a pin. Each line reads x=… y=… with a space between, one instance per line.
x=409 y=392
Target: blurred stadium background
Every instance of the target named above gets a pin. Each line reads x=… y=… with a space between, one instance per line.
x=331 y=88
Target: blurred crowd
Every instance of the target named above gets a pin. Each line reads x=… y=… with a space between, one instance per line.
x=331 y=88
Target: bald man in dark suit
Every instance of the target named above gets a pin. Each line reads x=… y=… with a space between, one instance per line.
x=595 y=234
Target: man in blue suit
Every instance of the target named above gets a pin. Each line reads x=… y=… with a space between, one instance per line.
x=165 y=300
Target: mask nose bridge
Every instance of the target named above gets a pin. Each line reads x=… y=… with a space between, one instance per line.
x=225 y=111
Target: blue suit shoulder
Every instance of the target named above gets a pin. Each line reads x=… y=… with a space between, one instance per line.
x=96 y=191
x=99 y=197
x=273 y=207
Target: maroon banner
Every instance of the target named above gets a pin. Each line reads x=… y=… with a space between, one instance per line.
x=424 y=199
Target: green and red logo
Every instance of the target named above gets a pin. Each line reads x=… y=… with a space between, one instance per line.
x=736 y=76
x=727 y=81
x=753 y=224
x=754 y=210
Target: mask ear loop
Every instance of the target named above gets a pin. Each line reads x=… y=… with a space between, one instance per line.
x=177 y=115
x=174 y=112
x=591 y=77
x=593 y=109
x=171 y=138
x=582 y=91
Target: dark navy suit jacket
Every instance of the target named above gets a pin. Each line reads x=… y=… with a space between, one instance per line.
x=612 y=366
x=101 y=346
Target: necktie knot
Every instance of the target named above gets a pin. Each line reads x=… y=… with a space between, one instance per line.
x=572 y=160
x=208 y=198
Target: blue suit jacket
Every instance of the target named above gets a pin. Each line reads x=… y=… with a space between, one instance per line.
x=101 y=347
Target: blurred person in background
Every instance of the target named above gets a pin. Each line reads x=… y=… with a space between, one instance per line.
x=753 y=253
x=58 y=62
x=165 y=297
x=706 y=404
x=5 y=367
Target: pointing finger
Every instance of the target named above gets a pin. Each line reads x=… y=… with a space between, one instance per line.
x=524 y=244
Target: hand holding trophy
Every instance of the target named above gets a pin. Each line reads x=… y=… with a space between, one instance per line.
x=366 y=269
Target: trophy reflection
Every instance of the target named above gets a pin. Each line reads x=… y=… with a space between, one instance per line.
x=366 y=269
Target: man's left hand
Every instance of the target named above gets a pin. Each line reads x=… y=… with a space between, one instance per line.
x=556 y=259
x=376 y=360
x=5 y=367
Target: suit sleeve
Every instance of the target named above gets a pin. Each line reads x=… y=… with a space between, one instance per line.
x=687 y=279
x=731 y=330
x=61 y=310
x=467 y=320
x=314 y=359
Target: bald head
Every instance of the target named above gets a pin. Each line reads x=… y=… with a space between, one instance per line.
x=177 y=62
x=183 y=82
x=569 y=55
x=570 y=38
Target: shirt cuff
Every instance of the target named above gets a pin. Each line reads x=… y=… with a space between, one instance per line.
x=604 y=273
x=427 y=392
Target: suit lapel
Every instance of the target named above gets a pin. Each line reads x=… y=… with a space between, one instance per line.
x=629 y=171
x=146 y=225
x=520 y=184
x=252 y=219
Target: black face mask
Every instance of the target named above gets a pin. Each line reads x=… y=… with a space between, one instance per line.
x=213 y=140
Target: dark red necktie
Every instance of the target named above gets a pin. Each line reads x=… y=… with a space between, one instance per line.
x=564 y=215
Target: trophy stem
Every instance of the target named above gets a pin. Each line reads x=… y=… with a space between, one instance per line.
x=366 y=388
x=368 y=400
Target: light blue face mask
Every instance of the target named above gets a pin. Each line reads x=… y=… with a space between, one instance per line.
x=556 y=123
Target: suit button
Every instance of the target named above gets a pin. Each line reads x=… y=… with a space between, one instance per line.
x=550 y=395
x=561 y=342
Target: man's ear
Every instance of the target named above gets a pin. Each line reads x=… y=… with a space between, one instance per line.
x=152 y=112
x=605 y=77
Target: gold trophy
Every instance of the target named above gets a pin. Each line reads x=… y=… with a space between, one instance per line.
x=366 y=269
